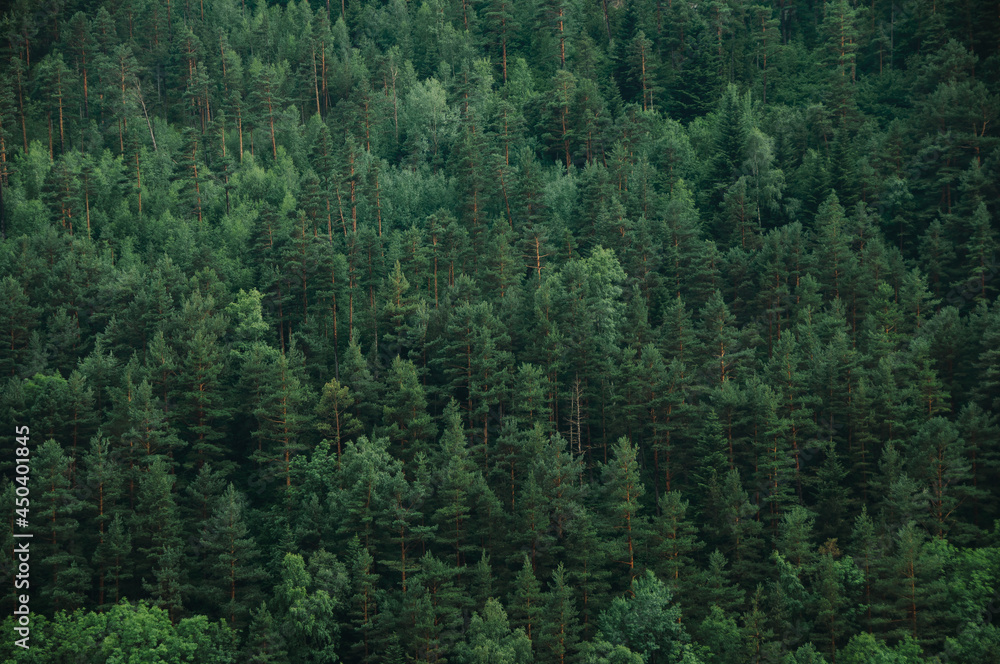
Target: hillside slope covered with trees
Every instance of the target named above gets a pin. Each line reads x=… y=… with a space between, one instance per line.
x=468 y=331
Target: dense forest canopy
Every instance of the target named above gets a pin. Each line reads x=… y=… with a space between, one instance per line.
x=468 y=331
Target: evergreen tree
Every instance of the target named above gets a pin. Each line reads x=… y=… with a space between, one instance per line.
x=334 y=416
x=405 y=415
x=67 y=571
x=676 y=543
x=558 y=633
x=646 y=623
x=282 y=416
x=200 y=399
x=491 y=639
x=225 y=538
x=526 y=601
x=625 y=490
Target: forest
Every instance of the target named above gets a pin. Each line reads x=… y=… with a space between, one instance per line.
x=500 y=331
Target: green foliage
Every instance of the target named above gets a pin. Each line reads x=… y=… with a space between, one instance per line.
x=502 y=331
x=127 y=632
x=645 y=622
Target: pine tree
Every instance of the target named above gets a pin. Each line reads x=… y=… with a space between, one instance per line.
x=282 y=416
x=475 y=358
x=646 y=623
x=357 y=377
x=112 y=561
x=587 y=561
x=491 y=639
x=793 y=540
x=676 y=541
x=461 y=490
x=719 y=590
x=267 y=644
x=155 y=524
x=405 y=415
x=168 y=583
x=364 y=601
x=842 y=34
x=438 y=604
x=732 y=125
x=624 y=485
x=498 y=22
x=558 y=637
x=531 y=408
x=405 y=521
x=364 y=482
x=899 y=493
x=756 y=633
x=939 y=254
x=915 y=585
x=334 y=416
x=560 y=132
x=482 y=582
x=200 y=399
x=941 y=463
x=980 y=250
x=526 y=601
x=836 y=581
x=721 y=340
x=832 y=253
x=203 y=494
x=866 y=549
x=102 y=473
x=735 y=527
x=235 y=556
x=737 y=217
x=66 y=570
x=976 y=428
x=147 y=431
x=265 y=98
x=16 y=322
x=533 y=515
x=82 y=418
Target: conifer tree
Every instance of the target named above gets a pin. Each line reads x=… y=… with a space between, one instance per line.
x=735 y=527
x=526 y=601
x=406 y=419
x=66 y=569
x=235 y=564
x=282 y=415
x=111 y=559
x=17 y=320
x=721 y=340
x=364 y=479
x=588 y=564
x=491 y=638
x=676 y=542
x=439 y=604
x=334 y=416
x=625 y=489
x=559 y=628
x=941 y=461
x=720 y=591
x=200 y=397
